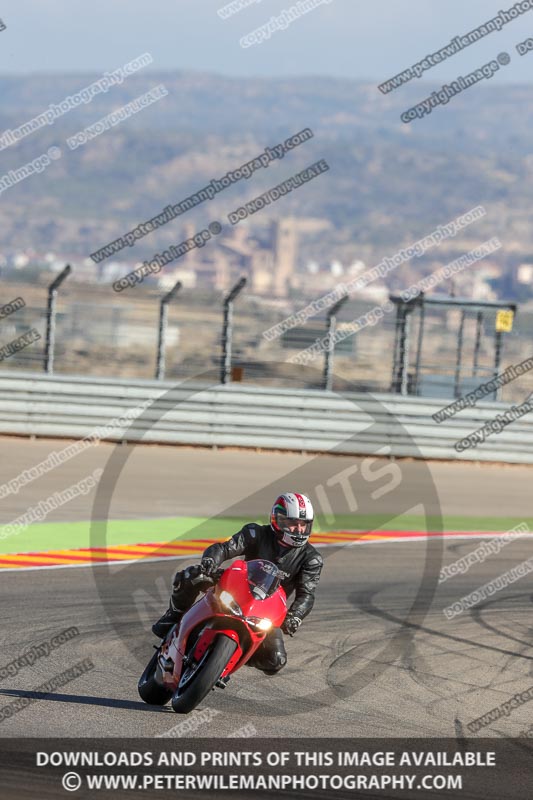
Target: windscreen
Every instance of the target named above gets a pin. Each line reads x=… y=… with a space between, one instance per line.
x=263 y=578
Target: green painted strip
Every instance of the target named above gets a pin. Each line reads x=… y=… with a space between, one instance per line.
x=45 y=536
x=67 y=535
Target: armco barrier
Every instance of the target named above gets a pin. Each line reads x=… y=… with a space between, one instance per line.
x=241 y=416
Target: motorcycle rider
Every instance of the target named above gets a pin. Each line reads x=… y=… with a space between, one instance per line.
x=285 y=542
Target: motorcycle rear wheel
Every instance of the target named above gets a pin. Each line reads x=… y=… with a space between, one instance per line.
x=201 y=679
x=151 y=691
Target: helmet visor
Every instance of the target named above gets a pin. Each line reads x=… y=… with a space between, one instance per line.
x=295 y=527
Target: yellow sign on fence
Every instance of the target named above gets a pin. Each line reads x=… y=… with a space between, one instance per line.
x=504 y=321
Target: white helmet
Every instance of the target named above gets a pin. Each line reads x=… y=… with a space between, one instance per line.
x=292 y=519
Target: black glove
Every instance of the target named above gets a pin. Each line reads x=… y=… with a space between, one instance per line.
x=192 y=573
x=291 y=624
x=208 y=566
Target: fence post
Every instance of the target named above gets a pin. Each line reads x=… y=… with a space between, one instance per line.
x=163 y=317
x=498 y=343
x=405 y=345
x=401 y=348
x=227 y=331
x=421 y=321
x=459 y=356
x=479 y=323
x=51 y=319
x=396 y=347
x=331 y=327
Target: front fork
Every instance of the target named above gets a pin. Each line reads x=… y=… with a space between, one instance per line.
x=207 y=637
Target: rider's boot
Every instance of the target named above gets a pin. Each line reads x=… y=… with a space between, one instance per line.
x=171 y=617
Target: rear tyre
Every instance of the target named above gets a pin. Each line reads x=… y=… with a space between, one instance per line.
x=151 y=691
x=196 y=683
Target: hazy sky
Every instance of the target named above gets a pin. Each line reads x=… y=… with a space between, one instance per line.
x=342 y=38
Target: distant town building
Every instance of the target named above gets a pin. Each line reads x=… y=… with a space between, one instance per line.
x=285 y=252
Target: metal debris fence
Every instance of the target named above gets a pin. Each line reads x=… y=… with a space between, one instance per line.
x=454 y=345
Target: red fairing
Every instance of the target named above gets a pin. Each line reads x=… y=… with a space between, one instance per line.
x=201 y=612
x=234 y=581
x=216 y=619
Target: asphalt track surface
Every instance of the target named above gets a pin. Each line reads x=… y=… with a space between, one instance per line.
x=377 y=656
x=158 y=481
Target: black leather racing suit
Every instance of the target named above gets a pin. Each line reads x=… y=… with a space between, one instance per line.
x=302 y=566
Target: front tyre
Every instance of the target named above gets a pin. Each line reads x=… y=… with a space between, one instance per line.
x=196 y=682
x=151 y=691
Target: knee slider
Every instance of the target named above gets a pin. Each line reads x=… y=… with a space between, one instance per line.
x=279 y=660
x=274 y=671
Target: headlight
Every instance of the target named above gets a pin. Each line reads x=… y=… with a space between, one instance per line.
x=227 y=599
x=261 y=624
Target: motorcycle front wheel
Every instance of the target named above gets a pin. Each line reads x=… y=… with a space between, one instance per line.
x=197 y=681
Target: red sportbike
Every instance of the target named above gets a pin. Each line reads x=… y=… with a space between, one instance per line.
x=216 y=636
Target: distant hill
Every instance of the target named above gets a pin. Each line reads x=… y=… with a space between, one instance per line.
x=389 y=183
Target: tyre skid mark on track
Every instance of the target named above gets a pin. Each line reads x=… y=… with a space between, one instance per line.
x=366 y=604
x=477 y=617
x=413 y=657
x=86 y=556
x=423 y=677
